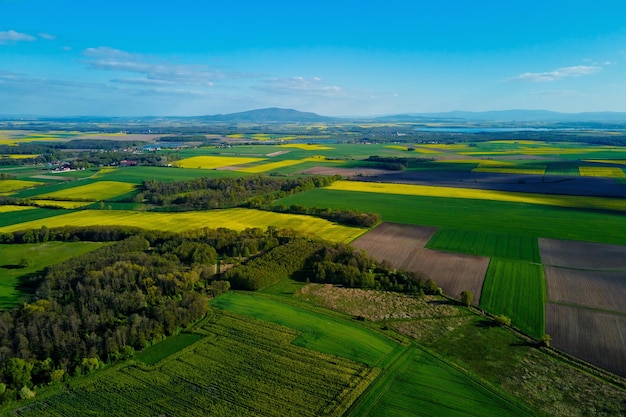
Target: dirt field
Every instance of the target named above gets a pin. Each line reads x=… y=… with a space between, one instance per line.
x=595 y=289
x=594 y=336
x=403 y=247
x=583 y=255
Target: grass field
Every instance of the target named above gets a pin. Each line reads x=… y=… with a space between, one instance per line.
x=213 y=162
x=21 y=216
x=41 y=254
x=598 y=203
x=237 y=219
x=97 y=191
x=530 y=170
x=517 y=290
x=497 y=217
x=319 y=332
x=522 y=248
x=419 y=384
x=137 y=175
x=61 y=204
x=8 y=186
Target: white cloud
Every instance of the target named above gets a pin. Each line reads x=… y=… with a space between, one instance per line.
x=299 y=85
x=558 y=74
x=47 y=36
x=110 y=59
x=11 y=36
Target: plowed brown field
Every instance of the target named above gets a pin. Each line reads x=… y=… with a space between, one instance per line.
x=595 y=289
x=403 y=247
x=583 y=255
x=594 y=336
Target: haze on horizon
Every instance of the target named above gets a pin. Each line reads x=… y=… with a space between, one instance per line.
x=138 y=58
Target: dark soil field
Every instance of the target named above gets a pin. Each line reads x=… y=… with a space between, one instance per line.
x=403 y=247
x=543 y=184
x=583 y=255
x=344 y=172
x=594 y=336
x=594 y=289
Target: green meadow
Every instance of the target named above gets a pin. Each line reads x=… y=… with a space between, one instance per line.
x=322 y=333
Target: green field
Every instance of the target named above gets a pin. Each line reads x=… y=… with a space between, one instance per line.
x=241 y=367
x=522 y=248
x=155 y=353
x=41 y=255
x=137 y=175
x=236 y=219
x=517 y=290
x=419 y=384
x=24 y=216
x=319 y=332
x=495 y=216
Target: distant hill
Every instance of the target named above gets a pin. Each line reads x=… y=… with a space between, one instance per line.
x=268 y=115
x=510 y=116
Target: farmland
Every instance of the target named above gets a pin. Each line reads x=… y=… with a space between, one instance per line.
x=237 y=219
x=7 y=186
x=101 y=190
x=517 y=290
x=486 y=244
x=489 y=216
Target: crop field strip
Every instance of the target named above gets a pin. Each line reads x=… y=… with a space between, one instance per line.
x=97 y=191
x=522 y=248
x=25 y=216
x=8 y=186
x=241 y=367
x=582 y=255
x=420 y=384
x=237 y=219
x=453 y=272
x=517 y=290
x=497 y=217
x=609 y=172
x=9 y=208
x=478 y=194
x=214 y=162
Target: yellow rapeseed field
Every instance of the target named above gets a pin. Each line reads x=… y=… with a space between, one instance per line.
x=306 y=146
x=61 y=204
x=102 y=190
x=610 y=172
x=9 y=208
x=607 y=161
x=451 y=192
x=213 y=162
x=7 y=186
x=270 y=166
x=237 y=219
x=20 y=156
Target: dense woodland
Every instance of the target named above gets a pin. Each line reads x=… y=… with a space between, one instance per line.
x=146 y=285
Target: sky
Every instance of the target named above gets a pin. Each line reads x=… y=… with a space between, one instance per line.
x=335 y=58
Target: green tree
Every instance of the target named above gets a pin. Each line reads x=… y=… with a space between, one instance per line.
x=502 y=320
x=466 y=298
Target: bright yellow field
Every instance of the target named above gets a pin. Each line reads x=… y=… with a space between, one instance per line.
x=511 y=170
x=212 y=162
x=451 y=192
x=104 y=170
x=271 y=166
x=611 y=172
x=607 y=161
x=61 y=204
x=306 y=147
x=237 y=219
x=7 y=209
x=19 y=156
x=97 y=191
x=7 y=186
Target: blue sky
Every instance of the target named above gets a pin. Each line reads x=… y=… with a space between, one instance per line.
x=339 y=58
